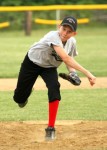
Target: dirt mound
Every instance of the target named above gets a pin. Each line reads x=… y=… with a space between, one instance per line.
x=71 y=135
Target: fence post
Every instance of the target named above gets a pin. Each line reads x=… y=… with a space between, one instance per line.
x=28 y=22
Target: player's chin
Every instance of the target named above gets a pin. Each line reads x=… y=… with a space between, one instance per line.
x=63 y=39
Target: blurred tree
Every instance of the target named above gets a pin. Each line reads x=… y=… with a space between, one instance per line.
x=49 y=2
x=10 y=3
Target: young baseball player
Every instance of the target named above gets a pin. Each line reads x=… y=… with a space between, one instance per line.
x=43 y=59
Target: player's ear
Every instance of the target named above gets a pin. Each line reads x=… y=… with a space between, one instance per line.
x=75 y=33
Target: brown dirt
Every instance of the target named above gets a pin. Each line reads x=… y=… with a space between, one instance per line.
x=70 y=135
x=9 y=84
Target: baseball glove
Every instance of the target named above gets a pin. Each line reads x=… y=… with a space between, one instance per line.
x=72 y=77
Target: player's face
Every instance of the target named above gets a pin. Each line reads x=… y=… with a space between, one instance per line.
x=65 y=32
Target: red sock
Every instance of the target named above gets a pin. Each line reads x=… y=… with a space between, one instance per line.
x=53 y=107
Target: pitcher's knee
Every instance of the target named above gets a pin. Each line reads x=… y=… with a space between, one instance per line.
x=18 y=98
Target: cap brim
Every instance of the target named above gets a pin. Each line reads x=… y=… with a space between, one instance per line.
x=68 y=25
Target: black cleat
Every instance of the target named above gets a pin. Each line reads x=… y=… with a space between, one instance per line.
x=50 y=133
x=21 y=105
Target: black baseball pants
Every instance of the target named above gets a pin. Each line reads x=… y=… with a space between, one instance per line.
x=28 y=74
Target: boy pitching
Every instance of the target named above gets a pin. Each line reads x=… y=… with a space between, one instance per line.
x=43 y=59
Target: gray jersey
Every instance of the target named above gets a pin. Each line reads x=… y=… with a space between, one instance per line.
x=43 y=54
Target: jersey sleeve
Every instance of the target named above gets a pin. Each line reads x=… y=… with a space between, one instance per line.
x=73 y=51
x=53 y=39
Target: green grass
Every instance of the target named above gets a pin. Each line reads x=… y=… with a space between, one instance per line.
x=81 y=104
x=91 y=45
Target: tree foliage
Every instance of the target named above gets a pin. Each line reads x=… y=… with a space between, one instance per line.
x=45 y=2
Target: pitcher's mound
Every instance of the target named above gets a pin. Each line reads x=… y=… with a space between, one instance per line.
x=70 y=135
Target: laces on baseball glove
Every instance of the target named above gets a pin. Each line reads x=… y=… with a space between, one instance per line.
x=71 y=77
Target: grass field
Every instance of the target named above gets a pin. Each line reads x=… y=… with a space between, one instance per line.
x=91 y=45
x=75 y=105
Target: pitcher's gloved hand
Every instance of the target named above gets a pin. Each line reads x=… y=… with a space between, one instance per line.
x=71 y=77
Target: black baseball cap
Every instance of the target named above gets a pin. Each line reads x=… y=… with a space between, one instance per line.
x=70 y=21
